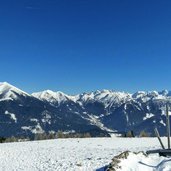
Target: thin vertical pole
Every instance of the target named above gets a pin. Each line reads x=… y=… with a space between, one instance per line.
x=168 y=125
x=158 y=136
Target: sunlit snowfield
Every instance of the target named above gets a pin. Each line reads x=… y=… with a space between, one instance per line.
x=70 y=154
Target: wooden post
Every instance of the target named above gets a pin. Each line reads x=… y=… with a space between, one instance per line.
x=168 y=125
x=158 y=136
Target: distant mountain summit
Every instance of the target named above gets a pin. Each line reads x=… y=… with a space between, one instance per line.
x=8 y=91
x=52 y=97
x=22 y=114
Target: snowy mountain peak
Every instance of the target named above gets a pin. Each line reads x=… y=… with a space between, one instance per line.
x=139 y=94
x=164 y=92
x=107 y=97
x=8 y=91
x=52 y=97
x=153 y=93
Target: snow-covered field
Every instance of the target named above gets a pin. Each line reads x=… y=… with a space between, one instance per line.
x=88 y=154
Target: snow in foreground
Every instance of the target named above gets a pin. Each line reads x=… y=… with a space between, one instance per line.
x=131 y=161
x=80 y=154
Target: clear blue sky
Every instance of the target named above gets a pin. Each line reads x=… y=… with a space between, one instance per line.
x=83 y=45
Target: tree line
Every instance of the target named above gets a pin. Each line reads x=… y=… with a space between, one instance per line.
x=61 y=134
x=45 y=136
x=131 y=133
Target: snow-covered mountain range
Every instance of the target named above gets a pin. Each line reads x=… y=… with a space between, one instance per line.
x=97 y=112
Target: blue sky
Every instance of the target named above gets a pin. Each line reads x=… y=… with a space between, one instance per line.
x=84 y=45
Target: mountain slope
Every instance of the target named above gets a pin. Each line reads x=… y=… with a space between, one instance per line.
x=99 y=111
x=9 y=92
x=22 y=114
x=120 y=111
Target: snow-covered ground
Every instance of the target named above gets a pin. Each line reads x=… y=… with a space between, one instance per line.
x=88 y=154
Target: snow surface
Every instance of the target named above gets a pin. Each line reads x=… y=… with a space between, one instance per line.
x=12 y=115
x=9 y=92
x=34 y=129
x=90 y=154
x=139 y=162
x=148 y=115
x=52 y=96
x=106 y=97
